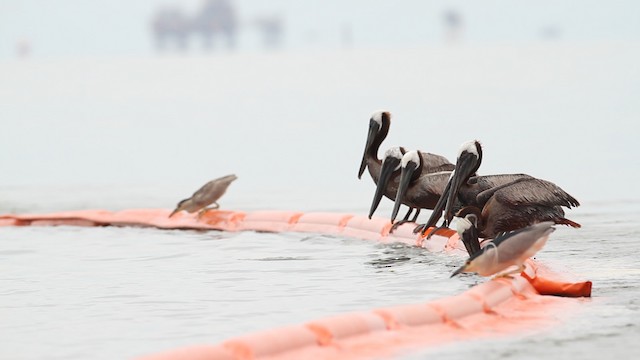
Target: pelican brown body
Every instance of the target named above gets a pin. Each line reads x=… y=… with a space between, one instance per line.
x=428 y=191
x=519 y=204
x=501 y=202
x=208 y=194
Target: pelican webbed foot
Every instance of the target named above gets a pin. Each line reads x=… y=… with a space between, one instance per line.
x=396 y=224
x=434 y=230
x=406 y=220
x=420 y=228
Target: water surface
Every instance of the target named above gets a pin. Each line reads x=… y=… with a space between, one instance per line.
x=107 y=292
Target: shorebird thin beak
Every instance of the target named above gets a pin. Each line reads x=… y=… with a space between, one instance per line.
x=460 y=270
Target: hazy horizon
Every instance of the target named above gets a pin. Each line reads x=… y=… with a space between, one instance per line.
x=72 y=28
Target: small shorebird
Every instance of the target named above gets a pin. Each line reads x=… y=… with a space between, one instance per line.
x=208 y=194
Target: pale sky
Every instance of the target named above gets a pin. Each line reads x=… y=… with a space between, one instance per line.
x=121 y=27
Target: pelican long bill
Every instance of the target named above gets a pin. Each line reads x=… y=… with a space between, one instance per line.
x=405 y=178
x=389 y=166
x=374 y=128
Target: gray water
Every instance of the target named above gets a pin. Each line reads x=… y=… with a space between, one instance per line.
x=104 y=293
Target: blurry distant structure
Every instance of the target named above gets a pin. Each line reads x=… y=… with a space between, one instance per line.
x=215 y=17
x=23 y=48
x=550 y=32
x=271 y=28
x=346 y=36
x=171 y=25
x=453 y=25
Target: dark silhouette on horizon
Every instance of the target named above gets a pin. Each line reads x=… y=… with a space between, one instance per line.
x=215 y=18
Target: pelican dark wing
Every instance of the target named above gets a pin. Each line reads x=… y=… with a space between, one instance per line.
x=506 y=202
x=524 y=202
x=527 y=191
x=433 y=163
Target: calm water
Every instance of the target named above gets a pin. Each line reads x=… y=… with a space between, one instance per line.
x=104 y=293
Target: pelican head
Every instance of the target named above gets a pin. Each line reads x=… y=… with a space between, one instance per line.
x=378 y=129
x=468 y=222
x=411 y=167
x=468 y=162
x=390 y=166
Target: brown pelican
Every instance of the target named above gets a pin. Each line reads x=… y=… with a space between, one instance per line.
x=425 y=190
x=378 y=129
x=384 y=172
x=505 y=250
x=474 y=184
x=387 y=183
x=501 y=202
x=208 y=194
x=421 y=183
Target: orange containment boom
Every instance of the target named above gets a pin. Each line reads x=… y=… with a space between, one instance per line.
x=496 y=307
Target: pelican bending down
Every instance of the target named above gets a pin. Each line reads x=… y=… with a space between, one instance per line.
x=420 y=184
x=469 y=189
x=208 y=194
x=506 y=250
x=388 y=184
x=512 y=202
x=384 y=172
x=379 y=124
